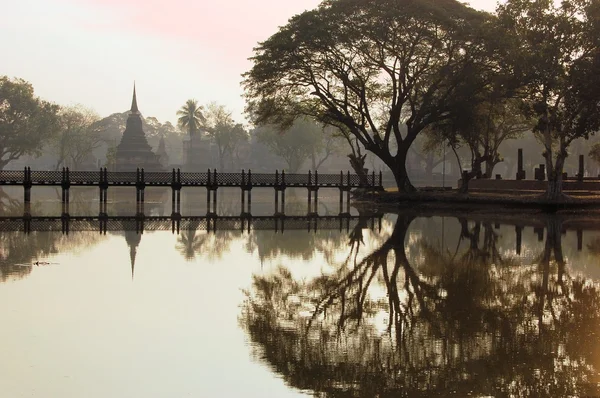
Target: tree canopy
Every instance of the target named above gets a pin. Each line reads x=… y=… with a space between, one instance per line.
x=553 y=52
x=26 y=122
x=303 y=140
x=370 y=67
x=225 y=133
x=190 y=116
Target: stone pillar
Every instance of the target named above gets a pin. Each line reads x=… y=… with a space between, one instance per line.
x=520 y=171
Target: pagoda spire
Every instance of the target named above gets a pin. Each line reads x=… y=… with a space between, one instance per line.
x=134 y=107
x=132 y=253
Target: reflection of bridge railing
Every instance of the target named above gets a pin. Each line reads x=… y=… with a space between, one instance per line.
x=142 y=223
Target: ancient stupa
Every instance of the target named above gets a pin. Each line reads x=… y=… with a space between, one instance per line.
x=134 y=151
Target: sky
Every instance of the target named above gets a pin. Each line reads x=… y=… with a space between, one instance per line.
x=90 y=52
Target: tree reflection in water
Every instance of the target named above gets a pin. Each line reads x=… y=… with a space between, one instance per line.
x=19 y=251
x=411 y=319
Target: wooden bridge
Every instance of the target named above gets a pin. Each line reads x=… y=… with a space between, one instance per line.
x=176 y=180
x=141 y=223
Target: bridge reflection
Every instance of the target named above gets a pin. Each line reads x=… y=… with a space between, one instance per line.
x=210 y=223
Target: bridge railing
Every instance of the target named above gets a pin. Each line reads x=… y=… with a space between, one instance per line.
x=12 y=175
x=194 y=178
x=48 y=176
x=209 y=178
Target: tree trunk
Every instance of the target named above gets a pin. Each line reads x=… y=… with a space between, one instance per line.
x=489 y=167
x=554 y=189
x=402 y=180
x=398 y=166
x=357 y=162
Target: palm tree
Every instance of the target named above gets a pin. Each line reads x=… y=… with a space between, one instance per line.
x=190 y=116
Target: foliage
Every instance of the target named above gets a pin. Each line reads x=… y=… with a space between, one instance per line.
x=373 y=326
x=303 y=140
x=369 y=67
x=77 y=137
x=481 y=127
x=552 y=50
x=190 y=117
x=26 y=122
x=227 y=135
x=594 y=153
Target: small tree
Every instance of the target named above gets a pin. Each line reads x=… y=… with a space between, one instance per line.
x=295 y=145
x=78 y=136
x=595 y=153
x=224 y=132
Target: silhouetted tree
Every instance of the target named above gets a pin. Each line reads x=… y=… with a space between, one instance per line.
x=26 y=122
x=369 y=68
x=190 y=117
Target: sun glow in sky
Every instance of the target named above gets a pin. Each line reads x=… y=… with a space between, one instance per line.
x=90 y=51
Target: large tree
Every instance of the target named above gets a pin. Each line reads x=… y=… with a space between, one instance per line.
x=369 y=67
x=553 y=51
x=26 y=122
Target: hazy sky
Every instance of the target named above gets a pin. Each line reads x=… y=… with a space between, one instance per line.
x=91 y=51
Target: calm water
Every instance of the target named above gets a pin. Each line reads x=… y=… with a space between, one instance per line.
x=426 y=306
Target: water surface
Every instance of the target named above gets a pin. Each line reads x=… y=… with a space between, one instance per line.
x=459 y=305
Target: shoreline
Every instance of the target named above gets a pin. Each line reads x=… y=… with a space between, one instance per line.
x=479 y=201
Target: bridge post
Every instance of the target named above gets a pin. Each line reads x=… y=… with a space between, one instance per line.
x=142 y=186
x=309 y=194
x=65 y=223
x=579 y=240
x=67 y=186
x=27 y=219
x=63 y=180
x=104 y=209
x=216 y=186
x=27 y=184
x=208 y=186
x=380 y=180
x=173 y=182
x=341 y=187
x=100 y=183
x=348 y=192
x=243 y=195
x=316 y=205
x=276 y=192
x=282 y=196
x=178 y=186
x=137 y=184
x=249 y=193
x=581 y=169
